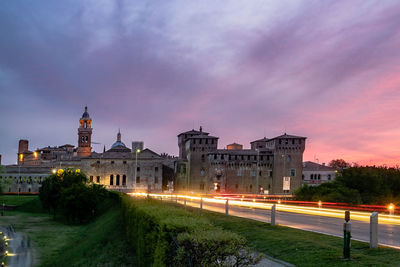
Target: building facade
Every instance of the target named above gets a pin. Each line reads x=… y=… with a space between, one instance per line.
x=119 y=168
x=315 y=174
x=271 y=166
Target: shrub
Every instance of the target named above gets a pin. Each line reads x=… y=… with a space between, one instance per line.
x=70 y=192
x=165 y=235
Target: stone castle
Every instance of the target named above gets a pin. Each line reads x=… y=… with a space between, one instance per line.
x=270 y=166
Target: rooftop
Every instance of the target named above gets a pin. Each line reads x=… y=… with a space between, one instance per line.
x=312 y=166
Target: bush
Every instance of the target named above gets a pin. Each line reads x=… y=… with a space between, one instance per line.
x=70 y=192
x=366 y=185
x=164 y=235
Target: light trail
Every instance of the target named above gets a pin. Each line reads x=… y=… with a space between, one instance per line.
x=316 y=211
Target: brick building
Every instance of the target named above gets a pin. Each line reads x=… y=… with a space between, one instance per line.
x=119 y=168
x=271 y=166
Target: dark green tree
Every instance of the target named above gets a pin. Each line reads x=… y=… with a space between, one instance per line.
x=70 y=193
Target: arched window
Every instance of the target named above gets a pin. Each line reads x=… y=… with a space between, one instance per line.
x=117 y=180
x=319 y=176
x=111 y=179
x=124 y=180
x=312 y=176
x=98 y=179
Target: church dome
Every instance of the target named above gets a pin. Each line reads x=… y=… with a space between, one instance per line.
x=118 y=144
x=85 y=114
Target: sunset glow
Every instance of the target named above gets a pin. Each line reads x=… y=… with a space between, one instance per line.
x=325 y=70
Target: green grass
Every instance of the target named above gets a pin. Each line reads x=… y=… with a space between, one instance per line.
x=16 y=200
x=99 y=243
x=301 y=248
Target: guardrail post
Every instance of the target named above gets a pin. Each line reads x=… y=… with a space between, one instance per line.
x=346 y=235
x=227 y=207
x=273 y=212
x=201 y=203
x=373 y=230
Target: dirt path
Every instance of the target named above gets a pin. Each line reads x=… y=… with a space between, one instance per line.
x=19 y=248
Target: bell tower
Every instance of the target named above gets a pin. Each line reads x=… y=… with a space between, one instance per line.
x=85 y=135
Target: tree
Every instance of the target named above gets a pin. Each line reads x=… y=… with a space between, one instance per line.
x=339 y=164
x=69 y=192
x=3 y=182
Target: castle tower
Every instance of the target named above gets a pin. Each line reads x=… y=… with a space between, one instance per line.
x=85 y=135
x=288 y=162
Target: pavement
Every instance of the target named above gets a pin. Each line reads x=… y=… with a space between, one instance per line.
x=388 y=234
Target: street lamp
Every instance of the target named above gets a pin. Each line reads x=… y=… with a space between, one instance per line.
x=137 y=152
x=391 y=208
x=258 y=163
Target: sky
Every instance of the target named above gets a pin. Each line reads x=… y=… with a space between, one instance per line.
x=326 y=70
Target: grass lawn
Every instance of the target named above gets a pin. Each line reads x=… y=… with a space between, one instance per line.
x=301 y=248
x=15 y=200
x=99 y=243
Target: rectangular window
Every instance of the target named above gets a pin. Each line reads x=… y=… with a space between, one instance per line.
x=138 y=169
x=270 y=173
x=239 y=173
x=156 y=169
x=138 y=179
x=292 y=172
x=156 y=179
x=98 y=162
x=91 y=178
x=124 y=162
x=98 y=179
x=253 y=173
x=112 y=162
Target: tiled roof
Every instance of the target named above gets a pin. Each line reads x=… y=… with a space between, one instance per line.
x=203 y=136
x=312 y=166
x=260 y=140
x=288 y=136
x=193 y=131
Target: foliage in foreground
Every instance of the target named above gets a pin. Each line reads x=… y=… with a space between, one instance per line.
x=70 y=193
x=357 y=185
x=165 y=235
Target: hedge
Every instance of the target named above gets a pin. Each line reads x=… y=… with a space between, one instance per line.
x=167 y=235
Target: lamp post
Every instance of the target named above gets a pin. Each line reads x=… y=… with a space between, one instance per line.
x=137 y=152
x=258 y=163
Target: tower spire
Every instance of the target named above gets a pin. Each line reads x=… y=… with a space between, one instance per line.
x=119 y=135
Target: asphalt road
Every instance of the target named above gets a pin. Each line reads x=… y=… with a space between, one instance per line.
x=388 y=234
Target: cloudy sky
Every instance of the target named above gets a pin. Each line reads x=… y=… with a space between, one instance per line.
x=327 y=70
